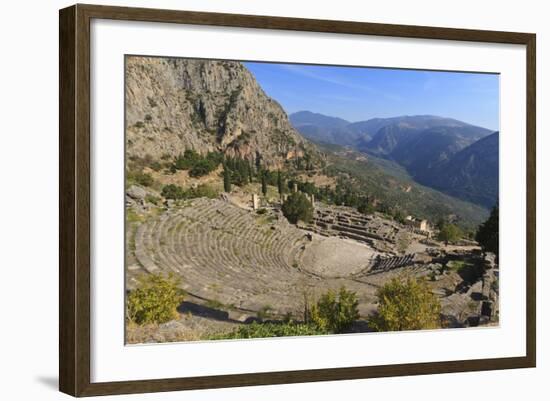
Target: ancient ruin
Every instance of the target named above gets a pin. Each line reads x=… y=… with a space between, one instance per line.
x=244 y=262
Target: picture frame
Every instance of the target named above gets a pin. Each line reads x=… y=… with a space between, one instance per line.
x=75 y=199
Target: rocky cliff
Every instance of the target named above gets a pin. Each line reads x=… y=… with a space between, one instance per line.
x=174 y=104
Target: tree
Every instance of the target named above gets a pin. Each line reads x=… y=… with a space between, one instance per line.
x=408 y=305
x=403 y=242
x=365 y=206
x=280 y=184
x=172 y=191
x=335 y=312
x=200 y=168
x=398 y=216
x=264 y=183
x=487 y=233
x=297 y=207
x=250 y=174
x=155 y=299
x=226 y=179
x=449 y=233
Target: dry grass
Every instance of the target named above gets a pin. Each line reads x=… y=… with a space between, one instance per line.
x=186 y=328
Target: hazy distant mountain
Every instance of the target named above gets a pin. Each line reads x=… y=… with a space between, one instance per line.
x=471 y=174
x=337 y=131
x=321 y=128
x=424 y=145
x=309 y=118
x=399 y=132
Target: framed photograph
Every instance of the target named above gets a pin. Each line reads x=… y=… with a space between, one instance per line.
x=250 y=200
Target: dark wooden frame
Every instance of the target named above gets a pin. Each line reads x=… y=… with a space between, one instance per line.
x=74 y=199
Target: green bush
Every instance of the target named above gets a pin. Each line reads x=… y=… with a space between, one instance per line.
x=335 y=312
x=154 y=300
x=265 y=330
x=141 y=178
x=297 y=207
x=176 y=192
x=201 y=167
x=197 y=164
x=152 y=199
x=172 y=191
x=449 y=233
x=408 y=305
x=201 y=191
x=187 y=160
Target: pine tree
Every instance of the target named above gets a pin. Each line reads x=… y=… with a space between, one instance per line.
x=264 y=183
x=487 y=233
x=280 y=185
x=297 y=207
x=226 y=179
x=249 y=173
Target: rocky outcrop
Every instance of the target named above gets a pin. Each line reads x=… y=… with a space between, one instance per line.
x=175 y=104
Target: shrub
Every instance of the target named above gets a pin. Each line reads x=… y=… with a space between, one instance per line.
x=172 y=191
x=141 y=178
x=335 y=312
x=152 y=199
x=449 y=233
x=408 y=305
x=200 y=168
x=297 y=207
x=176 y=192
x=187 y=160
x=403 y=242
x=156 y=166
x=200 y=191
x=154 y=300
x=265 y=312
x=264 y=330
x=196 y=164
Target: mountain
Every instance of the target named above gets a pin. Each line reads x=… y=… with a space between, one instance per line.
x=174 y=104
x=325 y=129
x=425 y=145
x=304 y=118
x=387 y=182
x=321 y=128
x=399 y=133
x=472 y=173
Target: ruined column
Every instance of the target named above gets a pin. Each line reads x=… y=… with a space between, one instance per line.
x=255 y=202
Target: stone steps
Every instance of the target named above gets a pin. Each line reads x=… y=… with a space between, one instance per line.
x=220 y=251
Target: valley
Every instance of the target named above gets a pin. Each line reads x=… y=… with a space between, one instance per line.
x=444 y=154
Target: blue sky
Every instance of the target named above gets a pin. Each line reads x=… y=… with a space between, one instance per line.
x=357 y=94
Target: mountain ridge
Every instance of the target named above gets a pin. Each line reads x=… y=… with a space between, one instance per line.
x=175 y=104
x=425 y=145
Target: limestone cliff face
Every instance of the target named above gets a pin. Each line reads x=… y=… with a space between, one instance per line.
x=178 y=104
